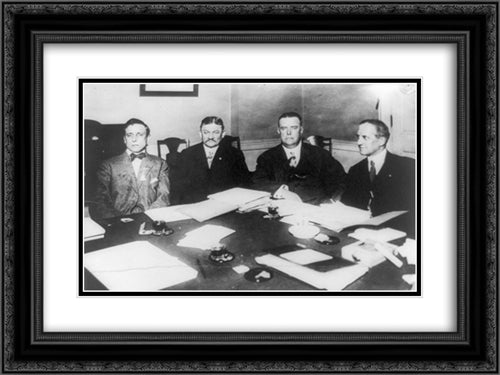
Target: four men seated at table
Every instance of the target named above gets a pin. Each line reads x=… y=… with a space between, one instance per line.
x=136 y=181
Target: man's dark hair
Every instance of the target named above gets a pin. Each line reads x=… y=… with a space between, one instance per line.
x=381 y=128
x=135 y=121
x=290 y=114
x=212 y=120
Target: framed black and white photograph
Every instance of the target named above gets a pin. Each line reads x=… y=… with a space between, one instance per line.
x=250 y=187
x=260 y=200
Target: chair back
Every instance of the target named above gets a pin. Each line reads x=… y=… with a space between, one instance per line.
x=172 y=144
x=320 y=141
x=233 y=141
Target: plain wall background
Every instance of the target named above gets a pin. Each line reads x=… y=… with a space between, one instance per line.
x=251 y=111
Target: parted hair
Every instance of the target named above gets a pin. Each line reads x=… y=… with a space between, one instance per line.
x=290 y=114
x=135 y=121
x=212 y=120
x=380 y=126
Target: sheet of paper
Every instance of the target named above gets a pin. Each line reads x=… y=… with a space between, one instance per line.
x=167 y=214
x=205 y=237
x=336 y=279
x=92 y=230
x=137 y=266
x=305 y=256
x=207 y=209
x=377 y=235
x=409 y=251
x=337 y=216
x=238 y=196
x=380 y=219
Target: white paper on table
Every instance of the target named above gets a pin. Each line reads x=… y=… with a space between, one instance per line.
x=205 y=237
x=92 y=230
x=167 y=214
x=238 y=196
x=336 y=279
x=305 y=256
x=207 y=209
x=137 y=266
x=380 y=219
x=377 y=235
x=409 y=251
x=346 y=214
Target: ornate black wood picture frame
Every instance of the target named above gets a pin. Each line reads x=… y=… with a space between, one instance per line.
x=472 y=27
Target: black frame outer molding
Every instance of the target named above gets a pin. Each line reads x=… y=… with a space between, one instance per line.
x=471 y=26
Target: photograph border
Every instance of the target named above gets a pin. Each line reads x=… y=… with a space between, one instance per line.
x=471 y=26
x=416 y=291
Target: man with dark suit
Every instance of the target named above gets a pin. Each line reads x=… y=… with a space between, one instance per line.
x=382 y=182
x=208 y=167
x=133 y=181
x=309 y=171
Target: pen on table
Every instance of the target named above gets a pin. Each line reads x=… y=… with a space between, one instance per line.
x=200 y=267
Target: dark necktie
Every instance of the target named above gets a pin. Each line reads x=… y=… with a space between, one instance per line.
x=293 y=160
x=373 y=173
x=139 y=156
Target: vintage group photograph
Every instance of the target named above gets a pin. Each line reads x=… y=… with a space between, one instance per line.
x=249 y=186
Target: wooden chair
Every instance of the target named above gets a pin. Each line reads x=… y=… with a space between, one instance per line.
x=233 y=141
x=318 y=140
x=172 y=144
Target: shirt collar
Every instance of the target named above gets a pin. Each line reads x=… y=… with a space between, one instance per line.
x=296 y=150
x=210 y=149
x=378 y=159
x=130 y=152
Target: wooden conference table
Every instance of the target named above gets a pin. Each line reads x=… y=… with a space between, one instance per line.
x=254 y=236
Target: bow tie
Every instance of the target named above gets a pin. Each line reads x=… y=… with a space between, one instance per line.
x=140 y=156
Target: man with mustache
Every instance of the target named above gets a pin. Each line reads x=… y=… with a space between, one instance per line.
x=208 y=167
x=133 y=181
x=382 y=182
x=309 y=171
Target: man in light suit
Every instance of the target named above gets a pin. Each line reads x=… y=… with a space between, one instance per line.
x=208 y=167
x=382 y=182
x=133 y=181
x=309 y=171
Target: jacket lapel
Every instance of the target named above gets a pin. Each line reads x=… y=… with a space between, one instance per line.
x=385 y=171
x=129 y=169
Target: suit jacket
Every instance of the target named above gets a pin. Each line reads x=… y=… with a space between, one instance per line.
x=193 y=180
x=393 y=187
x=120 y=192
x=317 y=176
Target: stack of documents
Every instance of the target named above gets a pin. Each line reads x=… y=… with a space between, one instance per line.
x=92 y=230
x=372 y=247
x=336 y=279
x=137 y=266
x=223 y=202
x=239 y=196
x=334 y=216
x=205 y=237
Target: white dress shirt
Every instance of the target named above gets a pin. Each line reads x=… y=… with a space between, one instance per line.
x=378 y=160
x=136 y=164
x=293 y=152
x=210 y=154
